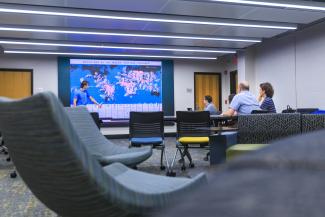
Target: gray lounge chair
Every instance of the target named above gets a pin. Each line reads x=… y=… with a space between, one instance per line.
x=58 y=168
x=105 y=151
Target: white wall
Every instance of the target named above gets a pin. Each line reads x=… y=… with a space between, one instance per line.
x=184 y=80
x=45 y=70
x=275 y=63
x=246 y=68
x=310 y=67
x=295 y=66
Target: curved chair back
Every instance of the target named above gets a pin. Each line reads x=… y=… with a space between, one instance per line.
x=189 y=123
x=146 y=124
x=88 y=132
x=52 y=160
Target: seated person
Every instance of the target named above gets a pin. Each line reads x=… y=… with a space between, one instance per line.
x=265 y=97
x=230 y=122
x=209 y=106
x=244 y=102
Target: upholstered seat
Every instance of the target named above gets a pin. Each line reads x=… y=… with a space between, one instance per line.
x=147 y=183
x=193 y=140
x=284 y=179
x=240 y=149
x=57 y=166
x=146 y=140
x=104 y=150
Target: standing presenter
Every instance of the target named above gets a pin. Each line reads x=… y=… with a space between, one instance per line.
x=81 y=96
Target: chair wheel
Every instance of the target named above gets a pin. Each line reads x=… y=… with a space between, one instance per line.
x=192 y=165
x=13 y=175
x=162 y=167
x=8 y=159
x=171 y=174
x=5 y=152
x=183 y=168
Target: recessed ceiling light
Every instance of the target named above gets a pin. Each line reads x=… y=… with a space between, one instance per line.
x=115 y=46
x=106 y=55
x=135 y=16
x=285 y=5
x=124 y=33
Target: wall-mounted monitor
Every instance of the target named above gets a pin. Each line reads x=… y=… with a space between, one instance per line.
x=120 y=86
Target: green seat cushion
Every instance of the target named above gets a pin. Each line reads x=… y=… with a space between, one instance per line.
x=240 y=149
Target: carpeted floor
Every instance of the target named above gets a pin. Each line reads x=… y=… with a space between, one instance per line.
x=17 y=200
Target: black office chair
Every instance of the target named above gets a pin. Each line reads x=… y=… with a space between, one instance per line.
x=192 y=132
x=260 y=111
x=147 y=128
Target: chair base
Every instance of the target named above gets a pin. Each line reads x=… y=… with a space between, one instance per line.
x=171 y=174
x=160 y=146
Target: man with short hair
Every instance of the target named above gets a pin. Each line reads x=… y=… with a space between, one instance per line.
x=209 y=106
x=244 y=102
x=81 y=96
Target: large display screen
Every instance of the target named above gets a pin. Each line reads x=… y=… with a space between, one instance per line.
x=120 y=86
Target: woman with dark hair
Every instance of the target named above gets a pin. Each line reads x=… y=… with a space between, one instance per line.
x=266 y=93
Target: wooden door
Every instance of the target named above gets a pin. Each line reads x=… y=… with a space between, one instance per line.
x=207 y=84
x=15 y=83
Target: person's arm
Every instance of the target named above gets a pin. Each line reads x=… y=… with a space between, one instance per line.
x=93 y=100
x=229 y=112
x=75 y=98
x=260 y=98
x=75 y=102
x=233 y=108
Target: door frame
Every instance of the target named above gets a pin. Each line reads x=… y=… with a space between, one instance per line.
x=220 y=85
x=233 y=83
x=22 y=70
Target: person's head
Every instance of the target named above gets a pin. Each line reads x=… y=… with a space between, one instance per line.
x=84 y=85
x=230 y=97
x=207 y=99
x=266 y=90
x=243 y=86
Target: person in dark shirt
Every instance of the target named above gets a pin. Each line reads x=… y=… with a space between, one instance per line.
x=265 y=97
